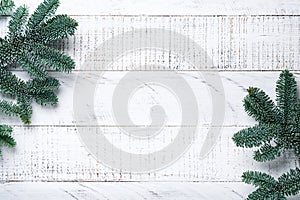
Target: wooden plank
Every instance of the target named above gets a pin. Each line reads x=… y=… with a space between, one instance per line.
x=186 y=43
x=177 y=34
x=145 y=97
x=128 y=190
x=50 y=150
x=174 y=7
x=57 y=154
x=235 y=43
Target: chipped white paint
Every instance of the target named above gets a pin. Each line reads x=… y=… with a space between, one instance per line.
x=121 y=191
x=234 y=83
x=243 y=38
x=56 y=154
x=50 y=149
x=232 y=42
x=174 y=7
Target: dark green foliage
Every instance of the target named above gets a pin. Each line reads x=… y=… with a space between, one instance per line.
x=32 y=66
x=7 y=53
x=25 y=108
x=254 y=136
x=278 y=125
x=52 y=58
x=54 y=29
x=290 y=182
x=27 y=39
x=17 y=23
x=27 y=45
x=257 y=101
x=6 y=6
x=259 y=179
x=267 y=152
x=44 y=12
x=286 y=97
x=39 y=86
x=5 y=136
x=287 y=184
x=9 y=108
x=10 y=84
x=278 y=129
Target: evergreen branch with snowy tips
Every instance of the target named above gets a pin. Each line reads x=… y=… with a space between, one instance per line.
x=287 y=185
x=278 y=130
x=5 y=136
x=27 y=46
x=6 y=7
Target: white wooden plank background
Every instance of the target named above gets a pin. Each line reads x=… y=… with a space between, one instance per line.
x=56 y=154
x=127 y=190
x=234 y=83
x=176 y=7
x=249 y=43
x=232 y=42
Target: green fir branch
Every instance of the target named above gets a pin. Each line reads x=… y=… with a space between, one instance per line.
x=254 y=136
x=17 y=23
x=7 y=53
x=267 y=152
x=259 y=179
x=44 y=11
x=46 y=98
x=278 y=129
x=9 y=108
x=290 y=182
x=52 y=58
x=10 y=84
x=257 y=101
x=57 y=28
x=278 y=123
x=27 y=45
x=33 y=67
x=6 y=138
x=286 y=96
x=6 y=6
x=287 y=185
x=40 y=86
x=25 y=108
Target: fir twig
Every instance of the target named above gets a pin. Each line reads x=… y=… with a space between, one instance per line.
x=278 y=129
x=5 y=136
x=6 y=6
x=27 y=46
x=278 y=125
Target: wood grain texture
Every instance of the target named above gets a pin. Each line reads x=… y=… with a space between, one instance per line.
x=231 y=42
x=175 y=7
x=51 y=149
x=121 y=191
x=57 y=154
x=243 y=38
x=238 y=43
x=234 y=83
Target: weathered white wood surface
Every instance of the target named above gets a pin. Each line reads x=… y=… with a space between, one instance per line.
x=234 y=83
x=127 y=190
x=243 y=38
x=175 y=7
x=57 y=154
x=121 y=191
x=232 y=42
x=50 y=149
